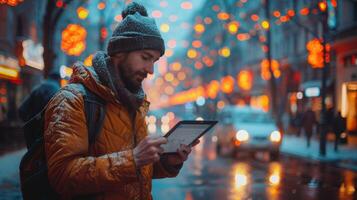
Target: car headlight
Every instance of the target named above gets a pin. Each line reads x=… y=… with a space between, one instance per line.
x=242 y=135
x=275 y=136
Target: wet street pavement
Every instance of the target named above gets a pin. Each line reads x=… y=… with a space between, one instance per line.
x=208 y=176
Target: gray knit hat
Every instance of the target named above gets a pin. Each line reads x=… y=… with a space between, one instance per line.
x=136 y=31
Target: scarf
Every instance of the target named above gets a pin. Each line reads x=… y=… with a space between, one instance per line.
x=103 y=66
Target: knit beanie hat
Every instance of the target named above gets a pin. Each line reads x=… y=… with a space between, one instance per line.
x=136 y=31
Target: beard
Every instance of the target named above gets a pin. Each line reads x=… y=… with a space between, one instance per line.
x=126 y=86
x=128 y=79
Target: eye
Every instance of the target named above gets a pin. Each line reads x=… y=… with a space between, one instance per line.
x=146 y=58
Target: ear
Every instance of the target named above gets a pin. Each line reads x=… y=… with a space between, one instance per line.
x=119 y=57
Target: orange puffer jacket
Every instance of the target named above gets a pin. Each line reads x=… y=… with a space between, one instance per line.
x=108 y=171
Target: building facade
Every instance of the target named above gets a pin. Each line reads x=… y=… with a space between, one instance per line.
x=345 y=49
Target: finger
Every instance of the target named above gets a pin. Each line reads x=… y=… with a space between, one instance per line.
x=156 y=157
x=186 y=149
x=182 y=155
x=157 y=141
x=154 y=149
x=160 y=150
x=196 y=142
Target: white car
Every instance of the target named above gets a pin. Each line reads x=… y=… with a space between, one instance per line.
x=247 y=129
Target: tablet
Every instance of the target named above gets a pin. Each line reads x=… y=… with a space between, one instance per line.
x=185 y=132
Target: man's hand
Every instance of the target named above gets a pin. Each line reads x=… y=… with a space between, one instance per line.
x=182 y=154
x=148 y=150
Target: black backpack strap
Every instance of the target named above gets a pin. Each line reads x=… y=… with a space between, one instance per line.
x=94 y=109
x=95 y=113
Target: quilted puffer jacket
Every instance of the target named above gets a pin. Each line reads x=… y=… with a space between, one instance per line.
x=105 y=170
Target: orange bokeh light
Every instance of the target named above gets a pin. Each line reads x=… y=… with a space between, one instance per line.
x=227 y=84
x=233 y=27
x=276 y=13
x=101 y=5
x=187 y=96
x=254 y=17
x=323 y=6
x=207 y=20
x=245 y=79
x=198 y=65
x=223 y=16
x=208 y=61
x=291 y=13
x=304 y=11
x=265 y=72
x=191 y=53
x=199 y=28
x=186 y=5
x=11 y=2
x=82 y=13
x=213 y=89
x=197 y=44
x=215 y=8
x=243 y=36
x=315 y=53
x=73 y=39
x=284 y=18
x=156 y=14
x=265 y=24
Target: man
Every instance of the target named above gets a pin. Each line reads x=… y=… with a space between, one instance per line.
x=339 y=126
x=124 y=159
x=40 y=96
x=309 y=121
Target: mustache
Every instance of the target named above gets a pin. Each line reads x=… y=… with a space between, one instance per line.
x=143 y=74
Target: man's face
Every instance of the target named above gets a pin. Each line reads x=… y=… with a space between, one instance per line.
x=133 y=67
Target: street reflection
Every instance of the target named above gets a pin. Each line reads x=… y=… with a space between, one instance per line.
x=241 y=174
x=274 y=174
x=274 y=179
x=347 y=187
x=243 y=181
x=189 y=196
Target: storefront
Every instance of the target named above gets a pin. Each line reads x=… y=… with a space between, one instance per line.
x=346 y=80
x=311 y=96
x=9 y=79
x=349 y=105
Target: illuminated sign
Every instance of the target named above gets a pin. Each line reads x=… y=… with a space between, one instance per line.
x=312 y=92
x=9 y=68
x=33 y=54
x=9 y=62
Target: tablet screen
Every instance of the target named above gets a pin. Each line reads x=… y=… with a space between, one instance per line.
x=185 y=133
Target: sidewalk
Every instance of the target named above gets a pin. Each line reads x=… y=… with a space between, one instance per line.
x=346 y=157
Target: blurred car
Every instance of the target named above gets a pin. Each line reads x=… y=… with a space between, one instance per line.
x=247 y=129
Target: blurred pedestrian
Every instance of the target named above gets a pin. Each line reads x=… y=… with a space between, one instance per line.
x=339 y=126
x=309 y=122
x=124 y=159
x=298 y=122
x=40 y=96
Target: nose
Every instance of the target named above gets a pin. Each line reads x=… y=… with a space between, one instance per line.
x=149 y=69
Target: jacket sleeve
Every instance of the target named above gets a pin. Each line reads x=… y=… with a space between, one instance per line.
x=70 y=169
x=163 y=170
